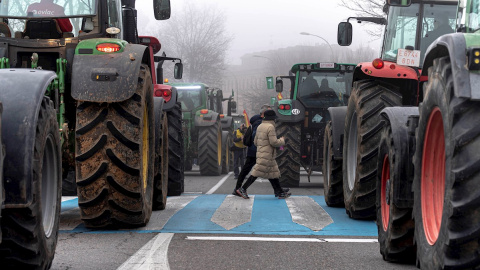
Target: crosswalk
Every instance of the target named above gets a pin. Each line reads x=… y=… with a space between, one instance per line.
x=228 y=214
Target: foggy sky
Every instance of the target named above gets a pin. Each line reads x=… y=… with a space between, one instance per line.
x=259 y=25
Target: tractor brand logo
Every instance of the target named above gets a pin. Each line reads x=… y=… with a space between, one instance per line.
x=295 y=111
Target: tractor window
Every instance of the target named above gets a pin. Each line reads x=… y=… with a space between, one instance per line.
x=29 y=9
x=400 y=31
x=323 y=89
x=190 y=98
x=473 y=23
x=437 y=20
x=114 y=14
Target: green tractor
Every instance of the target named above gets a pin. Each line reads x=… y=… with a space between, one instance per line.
x=83 y=61
x=302 y=116
x=208 y=131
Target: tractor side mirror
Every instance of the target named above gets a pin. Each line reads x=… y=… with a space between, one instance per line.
x=402 y=3
x=344 y=34
x=279 y=86
x=233 y=106
x=178 y=71
x=162 y=9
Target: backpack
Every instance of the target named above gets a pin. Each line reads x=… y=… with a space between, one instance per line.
x=247 y=137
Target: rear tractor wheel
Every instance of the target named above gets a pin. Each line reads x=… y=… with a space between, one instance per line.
x=210 y=150
x=288 y=159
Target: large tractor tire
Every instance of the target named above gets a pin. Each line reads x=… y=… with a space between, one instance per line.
x=30 y=233
x=210 y=150
x=160 y=182
x=69 y=184
x=288 y=159
x=176 y=175
x=395 y=224
x=114 y=159
x=447 y=231
x=360 y=148
x=332 y=171
x=225 y=152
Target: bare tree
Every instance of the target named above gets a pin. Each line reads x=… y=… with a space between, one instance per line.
x=367 y=8
x=197 y=34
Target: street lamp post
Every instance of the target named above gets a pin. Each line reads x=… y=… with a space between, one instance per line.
x=308 y=34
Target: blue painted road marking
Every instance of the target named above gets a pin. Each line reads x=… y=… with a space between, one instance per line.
x=270 y=216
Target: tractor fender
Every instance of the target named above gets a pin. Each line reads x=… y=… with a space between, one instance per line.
x=337 y=116
x=206 y=120
x=109 y=77
x=366 y=69
x=294 y=115
x=21 y=93
x=227 y=123
x=466 y=83
x=398 y=118
x=167 y=106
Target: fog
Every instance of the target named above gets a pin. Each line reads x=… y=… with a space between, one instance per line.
x=261 y=25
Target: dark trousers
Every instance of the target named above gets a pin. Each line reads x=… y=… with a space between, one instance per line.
x=274 y=182
x=238 y=161
x=249 y=163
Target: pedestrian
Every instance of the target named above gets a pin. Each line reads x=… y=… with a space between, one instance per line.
x=238 y=149
x=266 y=167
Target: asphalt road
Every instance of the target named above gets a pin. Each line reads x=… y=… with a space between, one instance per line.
x=207 y=228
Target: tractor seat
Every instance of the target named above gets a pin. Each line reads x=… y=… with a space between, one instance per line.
x=42 y=29
x=5 y=30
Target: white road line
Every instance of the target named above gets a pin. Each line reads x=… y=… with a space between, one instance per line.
x=233 y=212
x=68 y=198
x=306 y=212
x=160 y=218
x=214 y=188
x=152 y=256
x=281 y=239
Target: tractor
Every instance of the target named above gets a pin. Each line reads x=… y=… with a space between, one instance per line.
x=208 y=131
x=82 y=63
x=425 y=176
x=303 y=116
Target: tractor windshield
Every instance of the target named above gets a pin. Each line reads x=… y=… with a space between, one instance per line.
x=323 y=89
x=472 y=16
x=190 y=97
x=34 y=9
x=405 y=22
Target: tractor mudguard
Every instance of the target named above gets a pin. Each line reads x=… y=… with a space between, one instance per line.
x=337 y=116
x=398 y=117
x=206 y=120
x=227 y=123
x=466 y=83
x=21 y=93
x=167 y=106
x=294 y=115
x=400 y=72
x=109 y=77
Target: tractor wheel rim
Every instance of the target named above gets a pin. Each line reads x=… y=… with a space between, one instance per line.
x=352 y=152
x=145 y=146
x=385 y=207
x=49 y=186
x=433 y=176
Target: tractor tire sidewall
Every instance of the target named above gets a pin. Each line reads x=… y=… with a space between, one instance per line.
x=230 y=153
x=24 y=237
x=69 y=184
x=176 y=176
x=288 y=159
x=225 y=152
x=332 y=171
x=367 y=99
x=111 y=162
x=209 y=159
x=160 y=190
x=397 y=242
x=437 y=94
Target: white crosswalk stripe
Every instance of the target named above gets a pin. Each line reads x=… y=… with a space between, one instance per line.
x=160 y=218
x=305 y=211
x=233 y=212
